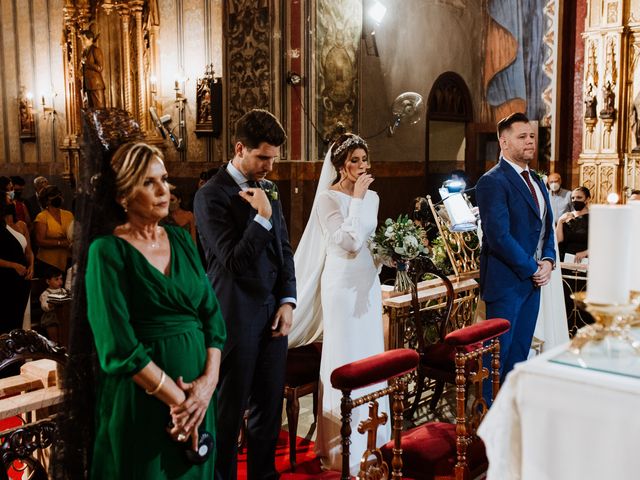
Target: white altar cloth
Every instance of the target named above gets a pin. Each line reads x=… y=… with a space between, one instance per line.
x=558 y=422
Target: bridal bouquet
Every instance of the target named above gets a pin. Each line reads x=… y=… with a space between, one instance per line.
x=395 y=243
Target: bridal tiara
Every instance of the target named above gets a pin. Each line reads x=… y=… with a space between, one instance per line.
x=349 y=142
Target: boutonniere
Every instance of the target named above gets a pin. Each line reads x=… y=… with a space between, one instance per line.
x=540 y=175
x=271 y=190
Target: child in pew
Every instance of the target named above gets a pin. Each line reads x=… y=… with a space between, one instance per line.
x=50 y=299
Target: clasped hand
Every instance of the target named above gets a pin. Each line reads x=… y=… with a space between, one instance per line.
x=543 y=274
x=187 y=417
x=257 y=198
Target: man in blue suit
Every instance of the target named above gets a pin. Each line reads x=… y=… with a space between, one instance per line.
x=250 y=265
x=518 y=253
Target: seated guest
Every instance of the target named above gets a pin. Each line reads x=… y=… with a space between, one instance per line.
x=572 y=232
x=53 y=231
x=635 y=195
x=572 y=228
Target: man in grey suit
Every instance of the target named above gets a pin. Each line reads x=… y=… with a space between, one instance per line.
x=250 y=265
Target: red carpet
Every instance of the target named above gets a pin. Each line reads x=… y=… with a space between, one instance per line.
x=308 y=466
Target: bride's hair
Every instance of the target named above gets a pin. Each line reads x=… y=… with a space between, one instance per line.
x=342 y=149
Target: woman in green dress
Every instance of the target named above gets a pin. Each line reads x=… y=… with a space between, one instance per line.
x=158 y=333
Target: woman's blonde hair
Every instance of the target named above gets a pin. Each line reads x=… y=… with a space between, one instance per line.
x=130 y=164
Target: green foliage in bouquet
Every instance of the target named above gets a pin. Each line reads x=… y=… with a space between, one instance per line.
x=395 y=244
x=439 y=256
x=398 y=241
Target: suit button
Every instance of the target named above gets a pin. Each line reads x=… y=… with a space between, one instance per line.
x=273 y=274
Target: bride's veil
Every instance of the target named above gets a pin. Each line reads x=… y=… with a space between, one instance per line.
x=309 y=263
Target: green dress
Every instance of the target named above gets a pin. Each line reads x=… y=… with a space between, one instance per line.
x=138 y=314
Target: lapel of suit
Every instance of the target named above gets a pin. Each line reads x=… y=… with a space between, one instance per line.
x=518 y=182
x=275 y=222
x=238 y=205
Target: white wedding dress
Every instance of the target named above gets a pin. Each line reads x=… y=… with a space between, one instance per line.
x=352 y=317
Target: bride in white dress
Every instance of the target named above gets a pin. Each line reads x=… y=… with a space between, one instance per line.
x=349 y=304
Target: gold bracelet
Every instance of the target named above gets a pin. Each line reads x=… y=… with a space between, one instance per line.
x=163 y=377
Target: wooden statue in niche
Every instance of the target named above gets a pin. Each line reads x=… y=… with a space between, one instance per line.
x=27 y=121
x=208 y=104
x=609 y=99
x=92 y=65
x=590 y=104
x=635 y=125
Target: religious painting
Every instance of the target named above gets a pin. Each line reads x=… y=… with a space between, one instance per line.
x=339 y=27
x=518 y=59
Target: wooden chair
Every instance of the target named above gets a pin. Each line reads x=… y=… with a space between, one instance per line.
x=436 y=359
x=391 y=365
x=25 y=445
x=301 y=378
x=438 y=450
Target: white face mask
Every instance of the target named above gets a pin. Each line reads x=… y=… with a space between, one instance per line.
x=554 y=186
x=11 y=194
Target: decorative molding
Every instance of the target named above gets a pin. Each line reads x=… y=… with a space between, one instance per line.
x=592 y=65
x=611 y=70
x=21 y=344
x=20 y=444
x=549 y=66
x=249 y=64
x=612 y=12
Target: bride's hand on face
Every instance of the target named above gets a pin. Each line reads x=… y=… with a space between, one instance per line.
x=362 y=185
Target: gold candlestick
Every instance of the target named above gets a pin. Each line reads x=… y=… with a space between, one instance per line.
x=611 y=321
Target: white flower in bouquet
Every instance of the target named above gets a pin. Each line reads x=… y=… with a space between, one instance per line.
x=395 y=243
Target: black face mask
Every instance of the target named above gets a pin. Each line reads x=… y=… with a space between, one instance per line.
x=17 y=194
x=577 y=205
x=56 y=202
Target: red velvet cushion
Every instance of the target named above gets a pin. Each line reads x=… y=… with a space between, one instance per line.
x=374 y=369
x=441 y=356
x=303 y=365
x=478 y=332
x=430 y=450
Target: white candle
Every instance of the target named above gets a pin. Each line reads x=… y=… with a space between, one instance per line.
x=634 y=267
x=609 y=252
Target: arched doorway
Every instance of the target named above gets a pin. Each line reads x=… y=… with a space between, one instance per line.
x=449 y=110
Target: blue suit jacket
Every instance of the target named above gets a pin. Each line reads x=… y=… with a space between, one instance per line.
x=511 y=227
x=248 y=266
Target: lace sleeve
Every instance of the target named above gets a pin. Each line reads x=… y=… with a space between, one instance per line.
x=343 y=231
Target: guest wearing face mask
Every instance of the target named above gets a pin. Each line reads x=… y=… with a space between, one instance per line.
x=572 y=229
x=560 y=197
x=53 y=231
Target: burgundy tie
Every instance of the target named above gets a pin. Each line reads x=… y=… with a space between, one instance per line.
x=525 y=175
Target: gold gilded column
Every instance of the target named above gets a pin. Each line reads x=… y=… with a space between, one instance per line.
x=125 y=18
x=142 y=80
